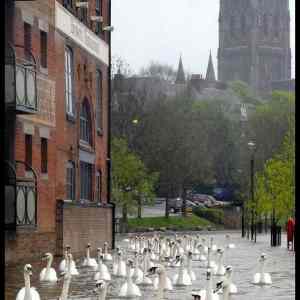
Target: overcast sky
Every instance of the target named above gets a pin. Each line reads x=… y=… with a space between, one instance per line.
x=161 y=30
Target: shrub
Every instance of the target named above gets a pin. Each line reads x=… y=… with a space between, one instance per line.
x=212 y=214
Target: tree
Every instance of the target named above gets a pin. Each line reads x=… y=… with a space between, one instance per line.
x=131 y=182
x=159 y=70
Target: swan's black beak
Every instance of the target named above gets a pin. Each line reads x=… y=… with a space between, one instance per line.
x=219 y=286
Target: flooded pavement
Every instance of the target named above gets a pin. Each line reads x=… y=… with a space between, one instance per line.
x=244 y=260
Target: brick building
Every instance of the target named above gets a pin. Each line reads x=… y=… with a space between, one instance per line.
x=57 y=64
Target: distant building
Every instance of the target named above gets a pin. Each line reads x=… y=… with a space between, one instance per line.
x=56 y=134
x=254 y=42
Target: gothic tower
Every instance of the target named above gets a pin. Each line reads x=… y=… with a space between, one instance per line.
x=254 y=42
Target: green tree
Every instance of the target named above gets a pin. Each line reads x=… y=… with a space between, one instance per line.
x=132 y=184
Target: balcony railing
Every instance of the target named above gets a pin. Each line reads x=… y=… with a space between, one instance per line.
x=20 y=82
x=20 y=196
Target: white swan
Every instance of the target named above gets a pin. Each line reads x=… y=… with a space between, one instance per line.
x=48 y=274
x=106 y=256
x=210 y=263
x=229 y=245
x=102 y=271
x=262 y=278
x=189 y=266
x=212 y=245
x=67 y=278
x=208 y=293
x=182 y=278
x=101 y=290
x=62 y=265
x=161 y=283
x=88 y=261
x=223 y=286
x=129 y=289
x=27 y=292
x=119 y=266
x=200 y=255
x=136 y=273
x=145 y=280
x=220 y=267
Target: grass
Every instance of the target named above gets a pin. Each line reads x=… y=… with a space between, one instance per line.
x=173 y=223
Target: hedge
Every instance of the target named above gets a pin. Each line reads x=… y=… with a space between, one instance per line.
x=212 y=214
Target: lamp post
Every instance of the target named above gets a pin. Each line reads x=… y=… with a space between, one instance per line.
x=252 y=148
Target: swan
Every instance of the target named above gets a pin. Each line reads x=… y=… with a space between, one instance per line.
x=210 y=263
x=189 y=266
x=101 y=289
x=262 y=278
x=136 y=273
x=102 y=271
x=119 y=266
x=48 y=274
x=208 y=293
x=27 y=292
x=220 y=267
x=161 y=283
x=66 y=275
x=145 y=280
x=129 y=289
x=107 y=256
x=212 y=245
x=88 y=261
x=205 y=248
x=224 y=287
x=182 y=278
x=62 y=265
x=231 y=286
x=229 y=245
x=200 y=256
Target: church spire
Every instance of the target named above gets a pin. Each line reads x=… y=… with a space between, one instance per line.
x=180 y=78
x=210 y=73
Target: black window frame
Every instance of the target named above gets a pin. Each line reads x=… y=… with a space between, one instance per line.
x=98 y=12
x=98 y=186
x=69 y=83
x=85 y=125
x=86 y=182
x=27 y=40
x=99 y=101
x=71 y=180
x=28 y=151
x=44 y=155
x=43 y=49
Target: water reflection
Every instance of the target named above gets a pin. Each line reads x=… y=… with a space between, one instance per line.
x=244 y=260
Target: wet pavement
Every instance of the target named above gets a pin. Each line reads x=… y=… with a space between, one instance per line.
x=244 y=260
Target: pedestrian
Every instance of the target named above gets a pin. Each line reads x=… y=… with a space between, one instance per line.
x=290 y=230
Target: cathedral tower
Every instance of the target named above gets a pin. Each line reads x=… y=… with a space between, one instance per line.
x=254 y=42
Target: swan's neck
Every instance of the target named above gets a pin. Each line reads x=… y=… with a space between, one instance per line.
x=209 y=287
x=262 y=267
x=102 y=294
x=129 y=279
x=65 y=289
x=27 y=287
x=49 y=263
x=99 y=262
x=88 y=253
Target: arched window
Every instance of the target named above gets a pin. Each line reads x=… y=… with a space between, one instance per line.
x=99 y=101
x=85 y=123
x=70 y=107
x=266 y=24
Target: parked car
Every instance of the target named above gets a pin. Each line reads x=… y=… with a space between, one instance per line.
x=176 y=204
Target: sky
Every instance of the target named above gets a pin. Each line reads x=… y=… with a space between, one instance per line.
x=162 y=30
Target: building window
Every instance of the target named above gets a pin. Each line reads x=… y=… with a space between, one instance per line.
x=67 y=4
x=43 y=49
x=86 y=181
x=266 y=25
x=243 y=24
x=98 y=186
x=98 y=12
x=27 y=41
x=276 y=26
x=70 y=107
x=71 y=180
x=232 y=25
x=82 y=13
x=85 y=123
x=44 y=155
x=99 y=100
x=28 y=151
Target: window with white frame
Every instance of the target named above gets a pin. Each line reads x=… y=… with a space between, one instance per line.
x=99 y=100
x=70 y=182
x=86 y=170
x=70 y=107
x=98 y=186
x=85 y=123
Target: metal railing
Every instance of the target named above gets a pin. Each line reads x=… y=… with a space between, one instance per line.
x=20 y=82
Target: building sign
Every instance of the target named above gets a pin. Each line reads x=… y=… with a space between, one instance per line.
x=70 y=26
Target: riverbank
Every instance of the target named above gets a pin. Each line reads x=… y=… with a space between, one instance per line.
x=173 y=223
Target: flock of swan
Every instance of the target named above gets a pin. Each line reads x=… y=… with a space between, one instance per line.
x=144 y=262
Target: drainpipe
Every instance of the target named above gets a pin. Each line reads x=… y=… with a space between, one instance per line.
x=109 y=131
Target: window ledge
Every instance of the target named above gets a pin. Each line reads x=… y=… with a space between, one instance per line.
x=85 y=146
x=44 y=176
x=44 y=70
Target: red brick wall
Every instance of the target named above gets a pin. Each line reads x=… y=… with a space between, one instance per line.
x=29 y=244
x=83 y=225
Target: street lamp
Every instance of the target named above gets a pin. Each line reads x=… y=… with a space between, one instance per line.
x=243 y=209
x=252 y=148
